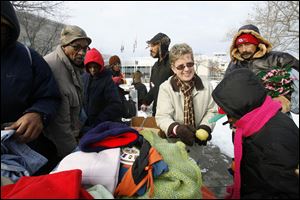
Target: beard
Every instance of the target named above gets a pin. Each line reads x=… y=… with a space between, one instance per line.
x=154 y=54
x=247 y=55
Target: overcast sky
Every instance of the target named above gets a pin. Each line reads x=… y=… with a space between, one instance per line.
x=202 y=25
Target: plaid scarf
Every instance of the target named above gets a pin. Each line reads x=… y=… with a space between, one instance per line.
x=187 y=88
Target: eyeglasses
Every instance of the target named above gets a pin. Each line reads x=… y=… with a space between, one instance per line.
x=78 y=48
x=182 y=66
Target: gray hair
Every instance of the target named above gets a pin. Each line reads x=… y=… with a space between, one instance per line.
x=179 y=50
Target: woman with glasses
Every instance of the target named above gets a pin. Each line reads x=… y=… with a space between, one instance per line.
x=184 y=103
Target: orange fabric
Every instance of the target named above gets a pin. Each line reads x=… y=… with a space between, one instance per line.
x=127 y=187
x=206 y=193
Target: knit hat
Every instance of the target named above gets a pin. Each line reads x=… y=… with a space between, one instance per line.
x=108 y=135
x=246 y=38
x=95 y=56
x=160 y=38
x=71 y=33
x=114 y=60
x=249 y=27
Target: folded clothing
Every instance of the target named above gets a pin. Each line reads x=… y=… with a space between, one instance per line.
x=108 y=135
x=97 y=168
x=62 y=185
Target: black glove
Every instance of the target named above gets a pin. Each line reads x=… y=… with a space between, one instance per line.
x=186 y=134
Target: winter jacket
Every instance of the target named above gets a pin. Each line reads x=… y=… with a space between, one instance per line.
x=271 y=155
x=264 y=59
x=170 y=104
x=66 y=126
x=27 y=83
x=142 y=92
x=101 y=99
x=160 y=72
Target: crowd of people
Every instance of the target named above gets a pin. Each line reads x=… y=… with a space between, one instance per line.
x=51 y=102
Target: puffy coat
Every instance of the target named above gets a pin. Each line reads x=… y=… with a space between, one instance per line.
x=271 y=155
x=264 y=59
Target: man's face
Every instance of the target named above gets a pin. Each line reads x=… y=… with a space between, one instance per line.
x=5 y=34
x=247 y=50
x=76 y=51
x=184 y=67
x=154 y=50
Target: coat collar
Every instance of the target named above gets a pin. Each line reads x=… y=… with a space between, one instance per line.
x=198 y=83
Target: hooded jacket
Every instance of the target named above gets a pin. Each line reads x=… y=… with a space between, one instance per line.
x=160 y=71
x=271 y=155
x=101 y=98
x=264 y=59
x=27 y=84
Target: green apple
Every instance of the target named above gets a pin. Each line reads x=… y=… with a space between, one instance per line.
x=202 y=134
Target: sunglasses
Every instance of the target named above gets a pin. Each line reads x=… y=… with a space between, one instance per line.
x=182 y=66
x=78 y=48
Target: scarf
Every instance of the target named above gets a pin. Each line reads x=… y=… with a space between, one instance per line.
x=187 y=88
x=246 y=126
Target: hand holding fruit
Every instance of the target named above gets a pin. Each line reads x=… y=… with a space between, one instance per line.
x=202 y=136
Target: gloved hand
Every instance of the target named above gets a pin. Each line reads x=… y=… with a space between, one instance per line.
x=186 y=134
x=202 y=136
x=285 y=103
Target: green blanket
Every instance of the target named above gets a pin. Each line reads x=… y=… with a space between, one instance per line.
x=183 y=180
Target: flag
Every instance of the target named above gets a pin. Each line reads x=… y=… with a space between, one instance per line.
x=134 y=45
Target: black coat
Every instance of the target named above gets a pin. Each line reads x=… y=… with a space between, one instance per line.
x=142 y=92
x=160 y=72
x=101 y=99
x=271 y=155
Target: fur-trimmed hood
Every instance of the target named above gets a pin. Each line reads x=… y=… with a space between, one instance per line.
x=264 y=45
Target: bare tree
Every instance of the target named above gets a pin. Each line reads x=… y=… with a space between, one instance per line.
x=37 y=30
x=279 y=23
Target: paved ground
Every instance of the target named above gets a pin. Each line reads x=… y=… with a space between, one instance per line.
x=214 y=165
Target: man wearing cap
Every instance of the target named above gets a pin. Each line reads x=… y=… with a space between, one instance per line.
x=250 y=50
x=66 y=62
x=29 y=93
x=160 y=71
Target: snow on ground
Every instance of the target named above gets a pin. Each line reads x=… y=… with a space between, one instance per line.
x=221 y=135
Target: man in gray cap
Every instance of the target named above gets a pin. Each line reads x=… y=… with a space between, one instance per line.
x=160 y=71
x=66 y=62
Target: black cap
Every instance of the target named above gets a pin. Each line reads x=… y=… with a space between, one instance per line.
x=250 y=27
x=157 y=38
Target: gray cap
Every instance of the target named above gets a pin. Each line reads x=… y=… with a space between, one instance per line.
x=71 y=33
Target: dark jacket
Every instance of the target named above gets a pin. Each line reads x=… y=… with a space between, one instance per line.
x=266 y=62
x=101 y=99
x=27 y=84
x=160 y=72
x=271 y=155
x=142 y=92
